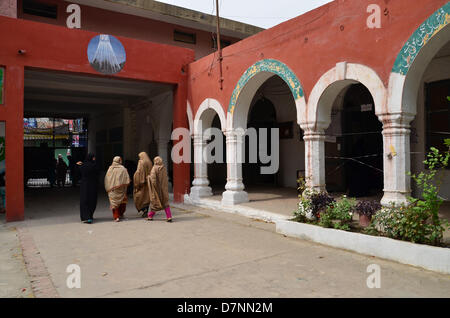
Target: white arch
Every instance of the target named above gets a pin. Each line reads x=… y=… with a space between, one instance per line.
x=403 y=89
x=206 y=113
x=190 y=117
x=238 y=118
x=320 y=102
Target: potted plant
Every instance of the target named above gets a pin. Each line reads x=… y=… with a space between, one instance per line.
x=366 y=209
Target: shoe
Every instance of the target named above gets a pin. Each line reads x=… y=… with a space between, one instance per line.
x=90 y=221
x=169 y=220
x=149 y=219
x=117 y=220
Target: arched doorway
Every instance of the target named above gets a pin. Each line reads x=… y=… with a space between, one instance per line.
x=209 y=125
x=417 y=105
x=268 y=95
x=354 y=145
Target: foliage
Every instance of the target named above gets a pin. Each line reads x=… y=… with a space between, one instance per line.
x=304 y=212
x=419 y=221
x=367 y=208
x=339 y=214
x=320 y=202
x=423 y=213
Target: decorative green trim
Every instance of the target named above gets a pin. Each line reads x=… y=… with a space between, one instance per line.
x=272 y=66
x=435 y=23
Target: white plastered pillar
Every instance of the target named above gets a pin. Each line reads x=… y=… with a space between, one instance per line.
x=234 y=193
x=200 y=184
x=396 y=158
x=314 y=137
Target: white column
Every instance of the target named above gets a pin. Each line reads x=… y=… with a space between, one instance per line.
x=201 y=183
x=234 y=193
x=397 y=159
x=315 y=159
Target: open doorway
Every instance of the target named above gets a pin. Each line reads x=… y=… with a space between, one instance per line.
x=68 y=115
x=354 y=145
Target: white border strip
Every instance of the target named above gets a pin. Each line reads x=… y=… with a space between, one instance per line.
x=429 y=257
x=236 y=209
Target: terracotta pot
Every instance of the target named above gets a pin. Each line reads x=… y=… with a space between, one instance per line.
x=364 y=220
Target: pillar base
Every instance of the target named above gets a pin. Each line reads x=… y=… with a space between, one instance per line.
x=234 y=197
x=395 y=197
x=198 y=192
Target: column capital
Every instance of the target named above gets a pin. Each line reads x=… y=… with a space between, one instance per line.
x=396 y=124
x=313 y=128
x=396 y=120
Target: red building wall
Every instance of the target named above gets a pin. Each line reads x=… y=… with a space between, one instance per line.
x=313 y=43
x=57 y=48
x=109 y=22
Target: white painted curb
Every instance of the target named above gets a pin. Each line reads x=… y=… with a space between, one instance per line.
x=429 y=257
x=236 y=209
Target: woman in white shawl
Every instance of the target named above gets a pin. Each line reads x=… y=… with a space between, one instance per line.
x=116 y=184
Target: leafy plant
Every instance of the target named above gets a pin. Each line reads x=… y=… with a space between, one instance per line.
x=339 y=215
x=367 y=208
x=320 y=202
x=419 y=221
x=423 y=213
x=304 y=211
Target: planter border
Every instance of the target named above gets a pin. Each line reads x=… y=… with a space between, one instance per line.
x=428 y=257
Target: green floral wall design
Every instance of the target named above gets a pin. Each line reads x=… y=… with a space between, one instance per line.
x=272 y=66
x=435 y=23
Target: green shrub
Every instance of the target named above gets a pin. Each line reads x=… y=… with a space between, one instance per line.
x=339 y=214
x=419 y=221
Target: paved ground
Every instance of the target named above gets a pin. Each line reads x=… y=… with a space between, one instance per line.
x=14 y=278
x=202 y=254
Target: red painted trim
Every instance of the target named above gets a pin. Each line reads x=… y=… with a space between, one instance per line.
x=14 y=85
x=181 y=172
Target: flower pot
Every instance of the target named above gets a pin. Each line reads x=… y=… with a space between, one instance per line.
x=364 y=220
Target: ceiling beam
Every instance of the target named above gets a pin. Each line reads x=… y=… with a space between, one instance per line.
x=86 y=87
x=74 y=99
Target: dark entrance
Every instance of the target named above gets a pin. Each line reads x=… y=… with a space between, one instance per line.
x=261 y=115
x=359 y=149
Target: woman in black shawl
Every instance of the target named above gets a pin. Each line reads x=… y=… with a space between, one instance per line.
x=88 y=188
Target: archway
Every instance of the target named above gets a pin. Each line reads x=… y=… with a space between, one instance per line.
x=204 y=119
x=265 y=74
x=423 y=60
x=331 y=91
x=354 y=145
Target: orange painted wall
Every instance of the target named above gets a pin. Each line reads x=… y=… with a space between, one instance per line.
x=313 y=43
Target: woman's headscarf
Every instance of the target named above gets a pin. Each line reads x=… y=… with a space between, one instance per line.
x=145 y=163
x=159 y=186
x=116 y=176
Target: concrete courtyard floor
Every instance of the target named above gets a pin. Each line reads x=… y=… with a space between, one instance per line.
x=203 y=253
